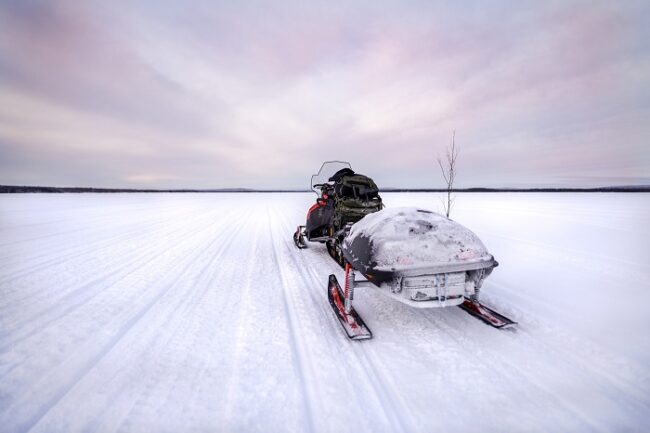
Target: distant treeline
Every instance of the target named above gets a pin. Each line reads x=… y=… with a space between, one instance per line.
x=635 y=188
x=51 y=189
x=54 y=189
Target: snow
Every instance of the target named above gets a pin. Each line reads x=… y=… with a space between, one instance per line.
x=408 y=237
x=195 y=312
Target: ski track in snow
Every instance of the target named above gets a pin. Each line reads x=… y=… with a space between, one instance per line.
x=195 y=312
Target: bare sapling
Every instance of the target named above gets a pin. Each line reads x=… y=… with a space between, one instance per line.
x=448 y=169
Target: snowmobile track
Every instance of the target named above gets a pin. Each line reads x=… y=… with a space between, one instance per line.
x=87 y=364
x=80 y=295
x=396 y=413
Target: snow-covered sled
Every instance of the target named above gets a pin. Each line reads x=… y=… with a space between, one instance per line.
x=412 y=255
x=418 y=257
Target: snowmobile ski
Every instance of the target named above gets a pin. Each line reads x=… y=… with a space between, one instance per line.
x=350 y=320
x=486 y=314
x=299 y=237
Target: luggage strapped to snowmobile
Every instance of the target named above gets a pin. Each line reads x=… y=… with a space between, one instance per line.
x=355 y=196
x=344 y=197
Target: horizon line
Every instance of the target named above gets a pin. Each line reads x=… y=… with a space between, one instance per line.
x=8 y=189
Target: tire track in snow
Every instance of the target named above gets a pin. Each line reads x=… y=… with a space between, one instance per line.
x=66 y=254
x=394 y=412
x=110 y=265
x=77 y=367
x=305 y=372
x=382 y=392
x=256 y=330
x=234 y=369
x=354 y=352
x=91 y=219
x=140 y=269
x=179 y=343
x=85 y=293
x=393 y=407
x=63 y=233
x=125 y=258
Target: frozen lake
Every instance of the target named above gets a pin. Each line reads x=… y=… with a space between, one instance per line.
x=195 y=312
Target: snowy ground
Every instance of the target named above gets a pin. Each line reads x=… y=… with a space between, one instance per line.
x=194 y=312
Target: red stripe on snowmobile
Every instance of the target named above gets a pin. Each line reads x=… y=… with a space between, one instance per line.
x=313 y=208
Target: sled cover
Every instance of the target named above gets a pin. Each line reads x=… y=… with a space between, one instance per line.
x=410 y=241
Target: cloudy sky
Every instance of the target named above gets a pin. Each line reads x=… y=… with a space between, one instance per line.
x=258 y=94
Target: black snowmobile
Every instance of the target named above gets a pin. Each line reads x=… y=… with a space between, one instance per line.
x=414 y=256
x=344 y=197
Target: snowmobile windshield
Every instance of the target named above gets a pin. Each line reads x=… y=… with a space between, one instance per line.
x=327 y=170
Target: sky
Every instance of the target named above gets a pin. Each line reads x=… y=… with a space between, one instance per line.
x=256 y=94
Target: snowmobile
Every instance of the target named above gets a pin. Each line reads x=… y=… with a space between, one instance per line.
x=415 y=256
x=344 y=197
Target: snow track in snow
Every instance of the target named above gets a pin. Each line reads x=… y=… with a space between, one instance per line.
x=195 y=312
x=350 y=367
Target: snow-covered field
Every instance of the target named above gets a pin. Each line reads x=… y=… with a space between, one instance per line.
x=195 y=312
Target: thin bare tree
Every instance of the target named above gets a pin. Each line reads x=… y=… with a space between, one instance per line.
x=448 y=169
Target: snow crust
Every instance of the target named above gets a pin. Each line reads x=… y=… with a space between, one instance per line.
x=410 y=237
x=195 y=312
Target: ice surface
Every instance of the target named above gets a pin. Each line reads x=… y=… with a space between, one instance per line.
x=195 y=312
x=410 y=237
